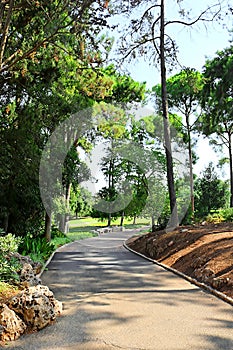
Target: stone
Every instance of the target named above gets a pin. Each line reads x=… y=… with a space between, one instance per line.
x=204 y=274
x=208 y=274
x=11 y=326
x=170 y=243
x=219 y=282
x=28 y=277
x=36 y=306
x=36 y=266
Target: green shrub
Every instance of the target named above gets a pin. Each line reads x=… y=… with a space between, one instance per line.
x=221 y=215
x=60 y=241
x=227 y=214
x=215 y=218
x=36 y=247
x=9 y=265
x=9 y=244
x=55 y=232
x=164 y=216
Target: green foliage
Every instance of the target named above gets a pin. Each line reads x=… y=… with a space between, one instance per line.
x=214 y=218
x=36 y=247
x=217 y=94
x=60 y=241
x=221 y=215
x=125 y=89
x=42 y=85
x=56 y=233
x=227 y=214
x=183 y=90
x=9 y=244
x=8 y=264
x=188 y=218
x=217 y=102
x=211 y=193
x=165 y=215
x=80 y=201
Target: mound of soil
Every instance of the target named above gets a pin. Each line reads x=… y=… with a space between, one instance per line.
x=203 y=252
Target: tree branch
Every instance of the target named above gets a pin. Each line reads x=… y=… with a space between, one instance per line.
x=153 y=35
x=5 y=31
x=137 y=46
x=199 y=18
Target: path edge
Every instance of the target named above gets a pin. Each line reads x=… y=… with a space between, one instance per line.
x=50 y=259
x=201 y=285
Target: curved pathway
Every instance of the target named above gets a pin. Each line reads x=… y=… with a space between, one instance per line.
x=114 y=299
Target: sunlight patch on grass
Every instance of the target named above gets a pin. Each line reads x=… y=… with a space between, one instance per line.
x=86 y=227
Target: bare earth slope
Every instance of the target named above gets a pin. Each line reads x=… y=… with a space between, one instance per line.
x=204 y=252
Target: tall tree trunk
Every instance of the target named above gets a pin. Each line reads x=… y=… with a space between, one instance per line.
x=153 y=226
x=48 y=224
x=61 y=225
x=109 y=219
x=231 y=170
x=122 y=218
x=190 y=165
x=64 y=218
x=174 y=222
x=134 y=219
x=5 y=29
x=67 y=215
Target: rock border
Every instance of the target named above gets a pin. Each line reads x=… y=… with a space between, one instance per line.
x=33 y=307
x=201 y=285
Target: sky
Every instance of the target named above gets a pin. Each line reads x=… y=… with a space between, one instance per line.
x=195 y=46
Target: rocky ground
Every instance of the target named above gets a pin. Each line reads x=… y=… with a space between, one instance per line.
x=203 y=252
x=27 y=307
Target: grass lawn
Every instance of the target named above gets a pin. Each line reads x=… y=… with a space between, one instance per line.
x=83 y=227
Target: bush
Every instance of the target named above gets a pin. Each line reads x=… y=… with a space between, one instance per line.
x=60 y=241
x=55 y=232
x=9 y=265
x=163 y=219
x=215 y=218
x=221 y=215
x=36 y=247
x=9 y=244
x=227 y=214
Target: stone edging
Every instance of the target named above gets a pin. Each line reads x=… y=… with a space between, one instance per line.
x=201 y=285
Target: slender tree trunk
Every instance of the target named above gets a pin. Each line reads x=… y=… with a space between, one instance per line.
x=174 y=222
x=48 y=224
x=67 y=215
x=134 y=220
x=190 y=165
x=122 y=218
x=64 y=218
x=231 y=170
x=109 y=219
x=153 y=226
x=61 y=222
x=5 y=30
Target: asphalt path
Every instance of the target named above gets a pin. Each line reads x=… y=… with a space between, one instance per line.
x=114 y=299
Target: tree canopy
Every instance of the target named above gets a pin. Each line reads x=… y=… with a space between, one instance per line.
x=217 y=99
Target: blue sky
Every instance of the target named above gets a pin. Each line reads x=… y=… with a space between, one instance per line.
x=195 y=46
